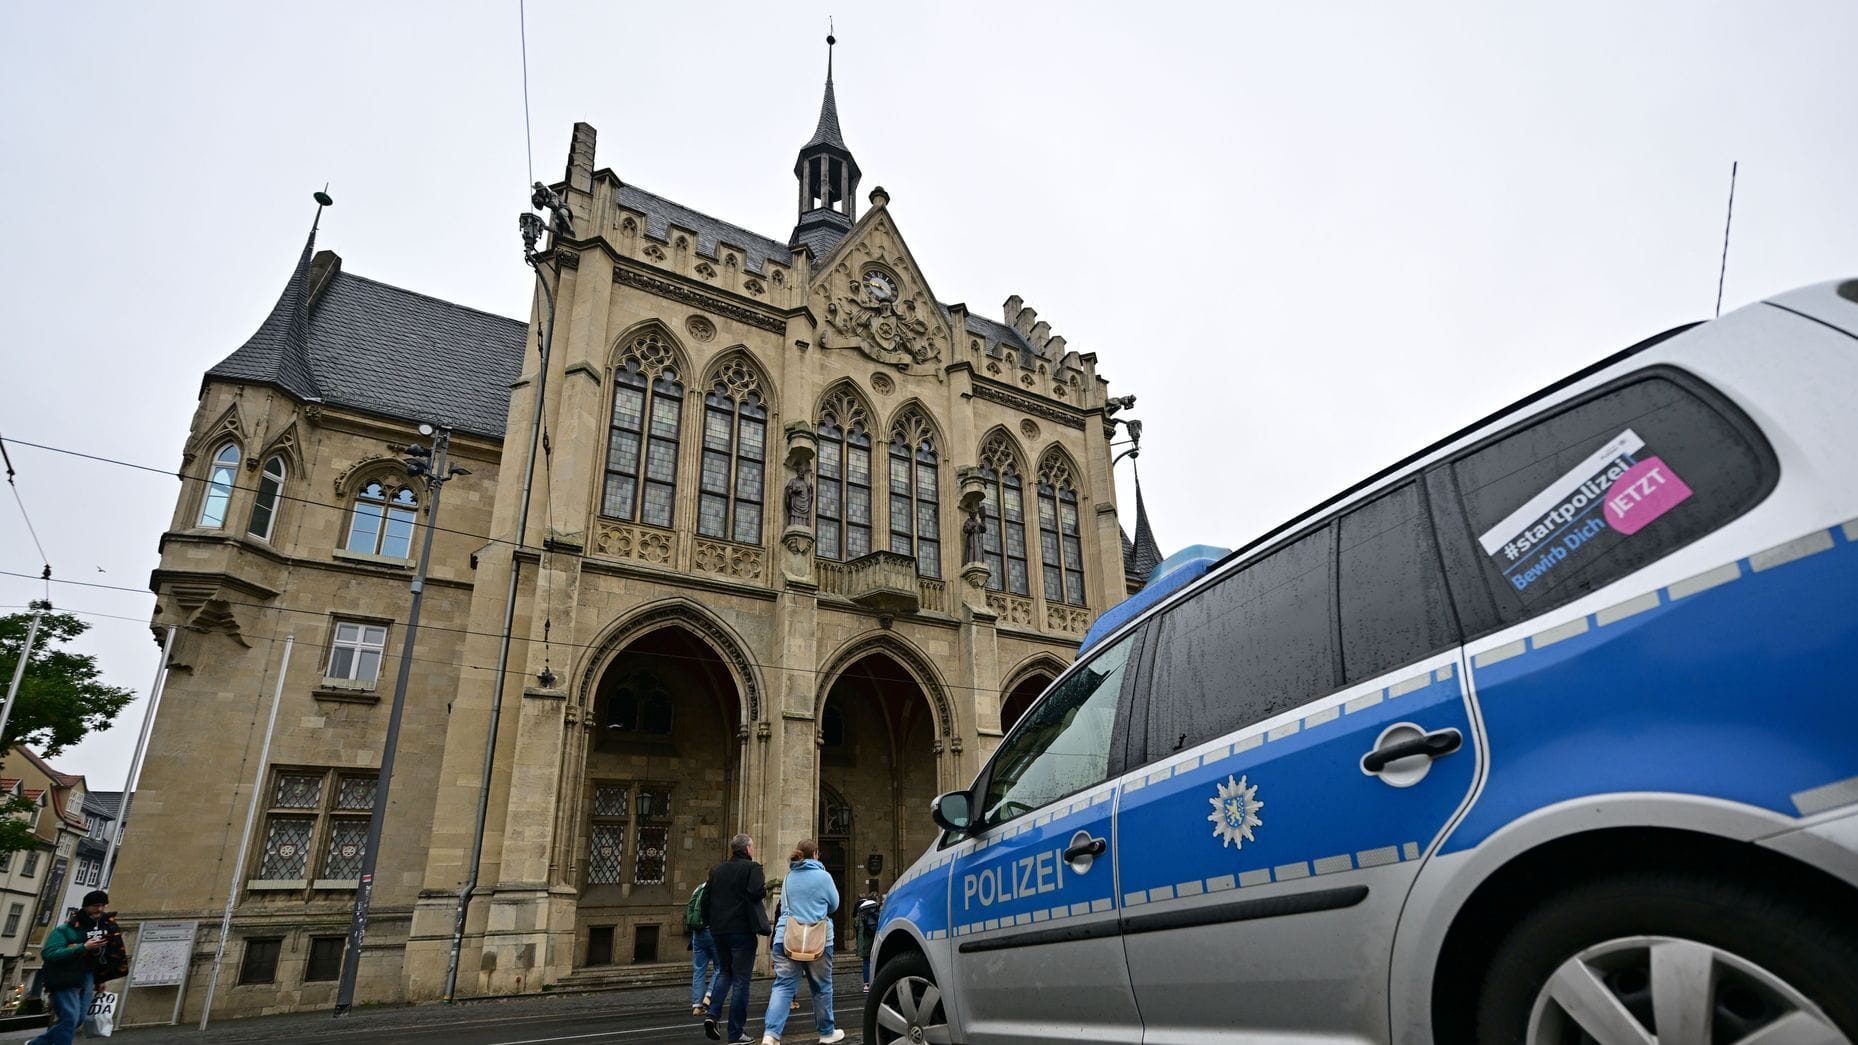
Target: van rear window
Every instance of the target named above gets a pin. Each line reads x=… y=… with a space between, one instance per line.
x=1578 y=499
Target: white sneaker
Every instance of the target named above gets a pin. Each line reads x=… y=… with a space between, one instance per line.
x=769 y=1039
x=838 y=1034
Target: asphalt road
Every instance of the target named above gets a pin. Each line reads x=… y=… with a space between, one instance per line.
x=632 y=1017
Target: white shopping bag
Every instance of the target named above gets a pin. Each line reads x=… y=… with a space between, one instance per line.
x=101 y=1020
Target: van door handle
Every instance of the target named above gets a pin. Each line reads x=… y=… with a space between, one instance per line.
x=1092 y=847
x=1431 y=745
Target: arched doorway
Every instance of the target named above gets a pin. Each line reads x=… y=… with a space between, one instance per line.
x=1020 y=695
x=658 y=795
x=877 y=775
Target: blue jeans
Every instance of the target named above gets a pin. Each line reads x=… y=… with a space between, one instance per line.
x=866 y=959
x=735 y=963
x=68 y=1007
x=702 y=957
x=787 y=974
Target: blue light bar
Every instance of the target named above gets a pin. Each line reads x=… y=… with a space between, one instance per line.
x=1169 y=576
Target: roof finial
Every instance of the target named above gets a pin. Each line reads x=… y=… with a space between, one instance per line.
x=830 y=40
x=323 y=199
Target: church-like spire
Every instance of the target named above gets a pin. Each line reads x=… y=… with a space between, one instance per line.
x=828 y=176
x=279 y=353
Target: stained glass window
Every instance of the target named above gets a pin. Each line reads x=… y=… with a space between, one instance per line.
x=604 y=861
x=915 y=526
x=315 y=811
x=287 y=847
x=650 y=866
x=735 y=422
x=843 y=526
x=298 y=791
x=348 y=840
x=1003 y=511
x=1061 y=549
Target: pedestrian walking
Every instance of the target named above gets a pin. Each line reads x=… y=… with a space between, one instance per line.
x=86 y=946
x=731 y=907
x=803 y=945
x=864 y=925
x=703 y=965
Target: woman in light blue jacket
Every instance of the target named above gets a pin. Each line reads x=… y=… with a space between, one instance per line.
x=808 y=895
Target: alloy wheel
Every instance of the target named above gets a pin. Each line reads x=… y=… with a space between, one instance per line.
x=1661 y=990
x=910 y=1012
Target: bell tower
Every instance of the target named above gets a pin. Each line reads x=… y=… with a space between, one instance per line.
x=828 y=177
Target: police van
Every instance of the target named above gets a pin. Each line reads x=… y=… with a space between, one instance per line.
x=1548 y=733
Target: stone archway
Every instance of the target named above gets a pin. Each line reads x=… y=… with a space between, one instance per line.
x=1026 y=685
x=657 y=792
x=879 y=739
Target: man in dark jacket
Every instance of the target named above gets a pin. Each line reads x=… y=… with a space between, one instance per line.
x=732 y=909
x=71 y=953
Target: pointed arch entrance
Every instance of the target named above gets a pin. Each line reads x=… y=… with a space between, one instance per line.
x=659 y=789
x=880 y=739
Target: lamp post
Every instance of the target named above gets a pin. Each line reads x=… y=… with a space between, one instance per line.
x=432 y=465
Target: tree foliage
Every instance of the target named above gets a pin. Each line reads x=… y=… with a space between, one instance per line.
x=62 y=699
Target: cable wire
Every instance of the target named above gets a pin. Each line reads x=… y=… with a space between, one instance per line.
x=46 y=573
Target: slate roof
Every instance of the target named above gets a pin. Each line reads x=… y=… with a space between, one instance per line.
x=103 y=803
x=827 y=133
x=999 y=335
x=660 y=213
x=821 y=230
x=374 y=347
x=1141 y=555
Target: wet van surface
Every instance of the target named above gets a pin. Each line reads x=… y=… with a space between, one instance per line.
x=1548 y=734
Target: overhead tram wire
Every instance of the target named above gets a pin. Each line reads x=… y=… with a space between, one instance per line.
x=324 y=615
x=46 y=574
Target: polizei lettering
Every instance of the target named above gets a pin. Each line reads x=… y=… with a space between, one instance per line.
x=1027 y=876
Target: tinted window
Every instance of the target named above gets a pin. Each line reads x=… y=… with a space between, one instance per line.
x=1579 y=499
x=1256 y=643
x=1062 y=746
x=1395 y=608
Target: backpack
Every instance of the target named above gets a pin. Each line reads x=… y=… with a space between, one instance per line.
x=693 y=911
x=867 y=918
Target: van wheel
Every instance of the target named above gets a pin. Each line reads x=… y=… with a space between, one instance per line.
x=1662 y=957
x=906 y=1005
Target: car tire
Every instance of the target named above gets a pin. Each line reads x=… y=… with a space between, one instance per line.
x=1730 y=958
x=905 y=1004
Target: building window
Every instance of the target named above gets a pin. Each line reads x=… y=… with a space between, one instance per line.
x=915 y=528
x=219 y=486
x=843 y=524
x=382 y=523
x=32 y=864
x=641 y=453
x=639 y=814
x=270 y=492
x=1061 y=547
x=13 y=914
x=260 y=962
x=325 y=959
x=82 y=877
x=735 y=436
x=6 y=861
x=316 y=811
x=355 y=655
x=640 y=703
x=1003 y=512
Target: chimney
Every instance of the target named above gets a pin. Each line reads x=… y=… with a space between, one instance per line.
x=1013 y=305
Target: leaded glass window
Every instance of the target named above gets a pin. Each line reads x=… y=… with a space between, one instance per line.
x=635 y=816
x=270 y=492
x=611 y=801
x=642 y=436
x=382 y=522
x=843 y=519
x=356 y=793
x=612 y=813
x=1061 y=547
x=298 y=791
x=735 y=435
x=348 y=844
x=1003 y=512
x=915 y=525
x=219 y=486
x=287 y=848
x=650 y=866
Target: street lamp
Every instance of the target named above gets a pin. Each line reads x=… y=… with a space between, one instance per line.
x=431 y=465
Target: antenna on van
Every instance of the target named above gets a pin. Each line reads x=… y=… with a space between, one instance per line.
x=1727 y=222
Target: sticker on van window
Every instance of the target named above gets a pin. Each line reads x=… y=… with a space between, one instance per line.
x=1613 y=488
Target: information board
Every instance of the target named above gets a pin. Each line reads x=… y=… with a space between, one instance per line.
x=162 y=953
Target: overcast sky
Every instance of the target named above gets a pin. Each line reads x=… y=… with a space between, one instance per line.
x=1309 y=237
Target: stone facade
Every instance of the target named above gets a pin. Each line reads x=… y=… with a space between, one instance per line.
x=742 y=610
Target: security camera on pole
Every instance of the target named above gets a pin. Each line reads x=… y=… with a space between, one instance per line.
x=430 y=464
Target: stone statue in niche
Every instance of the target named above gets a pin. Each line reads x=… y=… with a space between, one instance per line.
x=971 y=534
x=798 y=497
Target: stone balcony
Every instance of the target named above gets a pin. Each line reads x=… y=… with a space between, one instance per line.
x=882 y=581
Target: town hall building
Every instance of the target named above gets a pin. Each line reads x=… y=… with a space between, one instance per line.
x=793 y=544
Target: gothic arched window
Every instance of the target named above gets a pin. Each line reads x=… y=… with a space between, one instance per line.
x=219 y=486
x=641 y=453
x=1003 y=511
x=735 y=436
x=915 y=529
x=1061 y=547
x=844 y=505
x=270 y=492
x=382 y=522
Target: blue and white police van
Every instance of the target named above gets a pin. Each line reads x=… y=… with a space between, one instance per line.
x=1546 y=734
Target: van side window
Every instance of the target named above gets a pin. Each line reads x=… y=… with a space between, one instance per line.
x=1062 y=745
x=1253 y=644
x=1587 y=495
x=1395 y=606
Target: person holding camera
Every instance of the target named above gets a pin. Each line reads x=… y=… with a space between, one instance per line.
x=78 y=954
